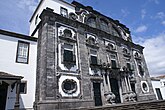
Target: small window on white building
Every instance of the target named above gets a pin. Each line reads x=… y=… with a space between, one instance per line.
x=23 y=87
x=64 y=12
x=22 y=52
x=158 y=92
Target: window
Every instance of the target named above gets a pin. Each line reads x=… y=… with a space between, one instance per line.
x=130 y=67
x=144 y=86
x=141 y=71
x=115 y=32
x=69 y=86
x=158 y=92
x=22 y=87
x=93 y=60
x=104 y=25
x=67 y=33
x=68 y=56
x=91 y=22
x=22 y=52
x=113 y=62
x=64 y=12
x=93 y=57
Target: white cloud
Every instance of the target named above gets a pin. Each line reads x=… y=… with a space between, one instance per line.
x=163 y=23
x=160 y=15
x=141 y=28
x=124 y=12
x=155 y=1
x=154 y=53
x=27 y=4
x=143 y=13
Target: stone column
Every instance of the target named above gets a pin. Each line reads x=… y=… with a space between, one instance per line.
x=129 y=84
x=127 y=87
x=109 y=85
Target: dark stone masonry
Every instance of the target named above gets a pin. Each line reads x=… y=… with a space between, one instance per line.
x=87 y=60
x=149 y=105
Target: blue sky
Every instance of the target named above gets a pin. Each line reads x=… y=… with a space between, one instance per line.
x=145 y=18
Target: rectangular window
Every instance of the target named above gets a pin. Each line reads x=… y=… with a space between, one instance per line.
x=23 y=87
x=22 y=52
x=64 y=12
x=128 y=66
x=68 y=56
x=114 y=65
x=158 y=92
x=93 y=60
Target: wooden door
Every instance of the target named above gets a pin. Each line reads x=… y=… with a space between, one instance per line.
x=97 y=94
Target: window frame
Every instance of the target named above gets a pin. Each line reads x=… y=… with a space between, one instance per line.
x=91 y=21
x=71 y=49
x=159 y=93
x=93 y=55
x=25 y=87
x=104 y=25
x=62 y=10
x=17 y=54
x=113 y=58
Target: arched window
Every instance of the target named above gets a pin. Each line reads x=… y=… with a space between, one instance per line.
x=103 y=25
x=91 y=22
x=115 y=32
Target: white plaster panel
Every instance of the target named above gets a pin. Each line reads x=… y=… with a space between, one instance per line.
x=8 y=49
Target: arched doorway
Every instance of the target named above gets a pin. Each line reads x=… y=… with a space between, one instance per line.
x=115 y=89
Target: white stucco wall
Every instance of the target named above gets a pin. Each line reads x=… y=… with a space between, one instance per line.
x=162 y=81
x=157 y=84
x=53 y=4
x=8 y=49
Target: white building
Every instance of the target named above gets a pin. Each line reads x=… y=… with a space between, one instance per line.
x=17 y=64
x=158 y=84
x=58 y=6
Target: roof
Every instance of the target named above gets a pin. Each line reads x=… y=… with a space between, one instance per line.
x=7 y=76
x=17 y=35
x=161 y=77
x=158 y=78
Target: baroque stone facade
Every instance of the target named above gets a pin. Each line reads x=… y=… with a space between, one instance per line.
x=88 y=59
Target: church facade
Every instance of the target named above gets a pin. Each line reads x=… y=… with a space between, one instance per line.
x=85 y=59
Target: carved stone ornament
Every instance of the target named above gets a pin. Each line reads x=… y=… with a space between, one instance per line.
x=73 y=16
x=137 y=54
x=144 y=86
x=110 y=97
x=69 y=86
x=111 y=46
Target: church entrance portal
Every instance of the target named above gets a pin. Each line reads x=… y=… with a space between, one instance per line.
x=97 y=94
x=115 y=89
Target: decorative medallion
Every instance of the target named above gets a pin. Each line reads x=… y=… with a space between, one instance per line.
x=69 y=86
